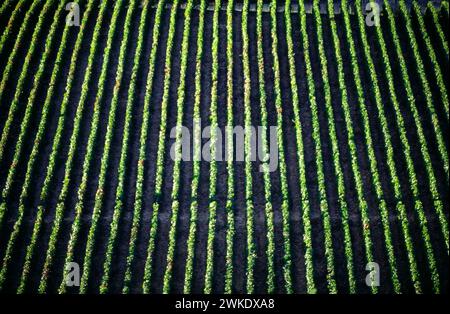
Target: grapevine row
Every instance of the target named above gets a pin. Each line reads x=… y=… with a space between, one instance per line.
x=338 y=172
x=376 y=182
x=5 y=6
x=386 y=136
x=356 y=168
x=445 y=7
x=423 y=148
x=329 y=255
x=18 y=148
x=143 y=147
x=230 y=169
x=437 y=25
x=11 y=22
x=213 y=143
x=51 y=168
x=432 y=56
x=30 y=104
x=189 y=271
x=251 y=248
x=32 y=158
x=431 y=108
x=426 y=88
x=283 y=171
x=98 y=202
x=73 y=144
x=160 y=152
x=177 y=162
x=118 y=203
x=412 y=175
x=270 y=250
x=9 y=67
x=406 y=149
